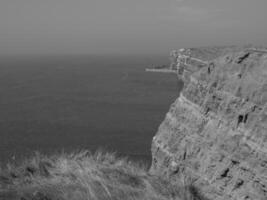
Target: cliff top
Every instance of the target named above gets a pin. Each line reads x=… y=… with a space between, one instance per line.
x=84 y=176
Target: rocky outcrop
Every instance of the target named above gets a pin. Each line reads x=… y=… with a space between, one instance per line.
x=215 y=133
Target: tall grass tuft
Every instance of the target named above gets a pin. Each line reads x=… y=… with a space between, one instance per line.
x=84 y=176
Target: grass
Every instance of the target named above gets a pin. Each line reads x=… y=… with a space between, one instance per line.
x=85 y=176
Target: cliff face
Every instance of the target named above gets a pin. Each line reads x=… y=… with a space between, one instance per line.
x=215 y=133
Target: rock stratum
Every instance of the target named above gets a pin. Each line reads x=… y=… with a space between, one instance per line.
x=215 y=134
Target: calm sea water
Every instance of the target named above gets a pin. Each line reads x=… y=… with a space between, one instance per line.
x=50 y=103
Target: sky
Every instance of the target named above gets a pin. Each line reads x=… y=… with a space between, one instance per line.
x=128 y=26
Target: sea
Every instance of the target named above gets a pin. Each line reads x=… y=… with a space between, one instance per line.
x=68 y=103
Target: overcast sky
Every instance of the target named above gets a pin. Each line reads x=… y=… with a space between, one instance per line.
x=128 y=26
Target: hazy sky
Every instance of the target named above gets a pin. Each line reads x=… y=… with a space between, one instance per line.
x=128 y=26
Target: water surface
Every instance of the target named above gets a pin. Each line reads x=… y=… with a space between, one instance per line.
x=50 y=103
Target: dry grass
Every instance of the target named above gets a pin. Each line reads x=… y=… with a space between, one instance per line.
x=85 y=176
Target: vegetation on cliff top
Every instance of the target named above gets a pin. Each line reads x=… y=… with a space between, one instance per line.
x=84 y=175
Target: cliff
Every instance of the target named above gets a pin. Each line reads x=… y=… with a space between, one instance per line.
x=215 y=134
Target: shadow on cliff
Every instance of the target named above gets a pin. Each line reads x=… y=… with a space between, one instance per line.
x=195 y=194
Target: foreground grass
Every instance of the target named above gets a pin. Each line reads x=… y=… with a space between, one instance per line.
x=84 y=176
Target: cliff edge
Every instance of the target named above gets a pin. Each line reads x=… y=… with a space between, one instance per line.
x=215 y=134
